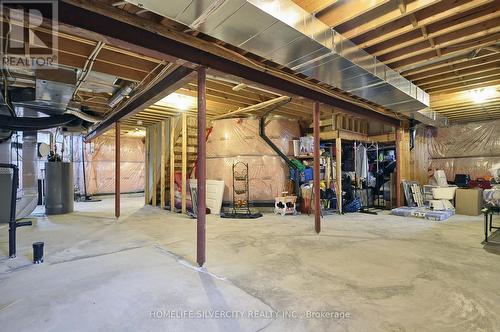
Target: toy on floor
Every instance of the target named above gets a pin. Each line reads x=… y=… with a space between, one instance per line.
x=285 y=204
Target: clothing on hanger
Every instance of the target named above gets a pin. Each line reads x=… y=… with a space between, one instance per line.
x=361 y=162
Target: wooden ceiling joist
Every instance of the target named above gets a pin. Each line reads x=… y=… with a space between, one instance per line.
x=448 y=50
x=438 y=32
x=474 y=64
x=429 y=17
x=362 y=24
x=456 y=40
x=339 y=12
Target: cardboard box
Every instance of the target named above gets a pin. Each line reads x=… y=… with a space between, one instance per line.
x=469 y=202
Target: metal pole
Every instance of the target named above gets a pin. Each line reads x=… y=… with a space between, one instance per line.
x=12 y=220
x=201 y=169
x=83 y=170
x=316 y=186
x=117 y=169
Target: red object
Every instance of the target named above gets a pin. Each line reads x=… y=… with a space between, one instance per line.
x=317 y=216
x=117 y=169
x=483 y=184
x=201 y=170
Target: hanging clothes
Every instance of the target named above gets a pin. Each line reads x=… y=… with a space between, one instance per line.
x=361 y=163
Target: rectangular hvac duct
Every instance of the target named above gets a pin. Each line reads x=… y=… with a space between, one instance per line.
x=283 y=32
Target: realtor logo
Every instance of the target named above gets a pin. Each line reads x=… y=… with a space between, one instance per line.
x=28 y=34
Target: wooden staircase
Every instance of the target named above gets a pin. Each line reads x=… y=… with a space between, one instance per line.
x=178 y=140
x=183 y=133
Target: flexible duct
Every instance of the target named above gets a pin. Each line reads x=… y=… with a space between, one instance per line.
x=83 y=116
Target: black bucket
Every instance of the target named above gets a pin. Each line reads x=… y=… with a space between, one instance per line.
x=37 y=252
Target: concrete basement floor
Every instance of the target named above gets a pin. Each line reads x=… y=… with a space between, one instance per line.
x=385 y=273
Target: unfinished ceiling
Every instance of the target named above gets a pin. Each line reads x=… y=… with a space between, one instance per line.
x=447 y=48
x=103 y=70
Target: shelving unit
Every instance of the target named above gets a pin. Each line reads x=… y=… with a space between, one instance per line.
x=241 y=195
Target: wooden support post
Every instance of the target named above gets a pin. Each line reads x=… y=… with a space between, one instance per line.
x=117 y=169
x=163 y=162
x=402 y=161
x=316 y=186
x=184 y=162
x=201 y=168
x=154 y=150
x=172 y=164
x=338 y=170
x=147 y=162
x=399 y=170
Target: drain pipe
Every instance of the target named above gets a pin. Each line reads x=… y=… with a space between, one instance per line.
x=13 y=225
x=291 y=166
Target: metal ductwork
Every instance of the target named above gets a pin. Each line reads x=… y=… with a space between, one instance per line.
x=281 y=31
x=27 y=194
x=430 y=118
x=53 y=91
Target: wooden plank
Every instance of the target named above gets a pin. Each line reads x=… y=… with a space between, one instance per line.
x=383 y=138
x=173 y=122
x=480 y=42
x=399 y=170
x=402 y=162
x=315 y=6
x=455 y=39
x=430 y=20
x=163 y=162
x=460 y=61
x=184 y=164
x=471 y=70
x=385 y=19
x=344 y=134
x=345 y=10
x=338 y=171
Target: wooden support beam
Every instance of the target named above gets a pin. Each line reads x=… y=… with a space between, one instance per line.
x=117 y=169
x=173 y=122
x=338 y=171
x=402 y=161
x=316 y=185
x=276 y=102
x=399 y=170
x=147 y=198
x=201 y=168
x=163 y=162
x=383 y=138
x=184 y=164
